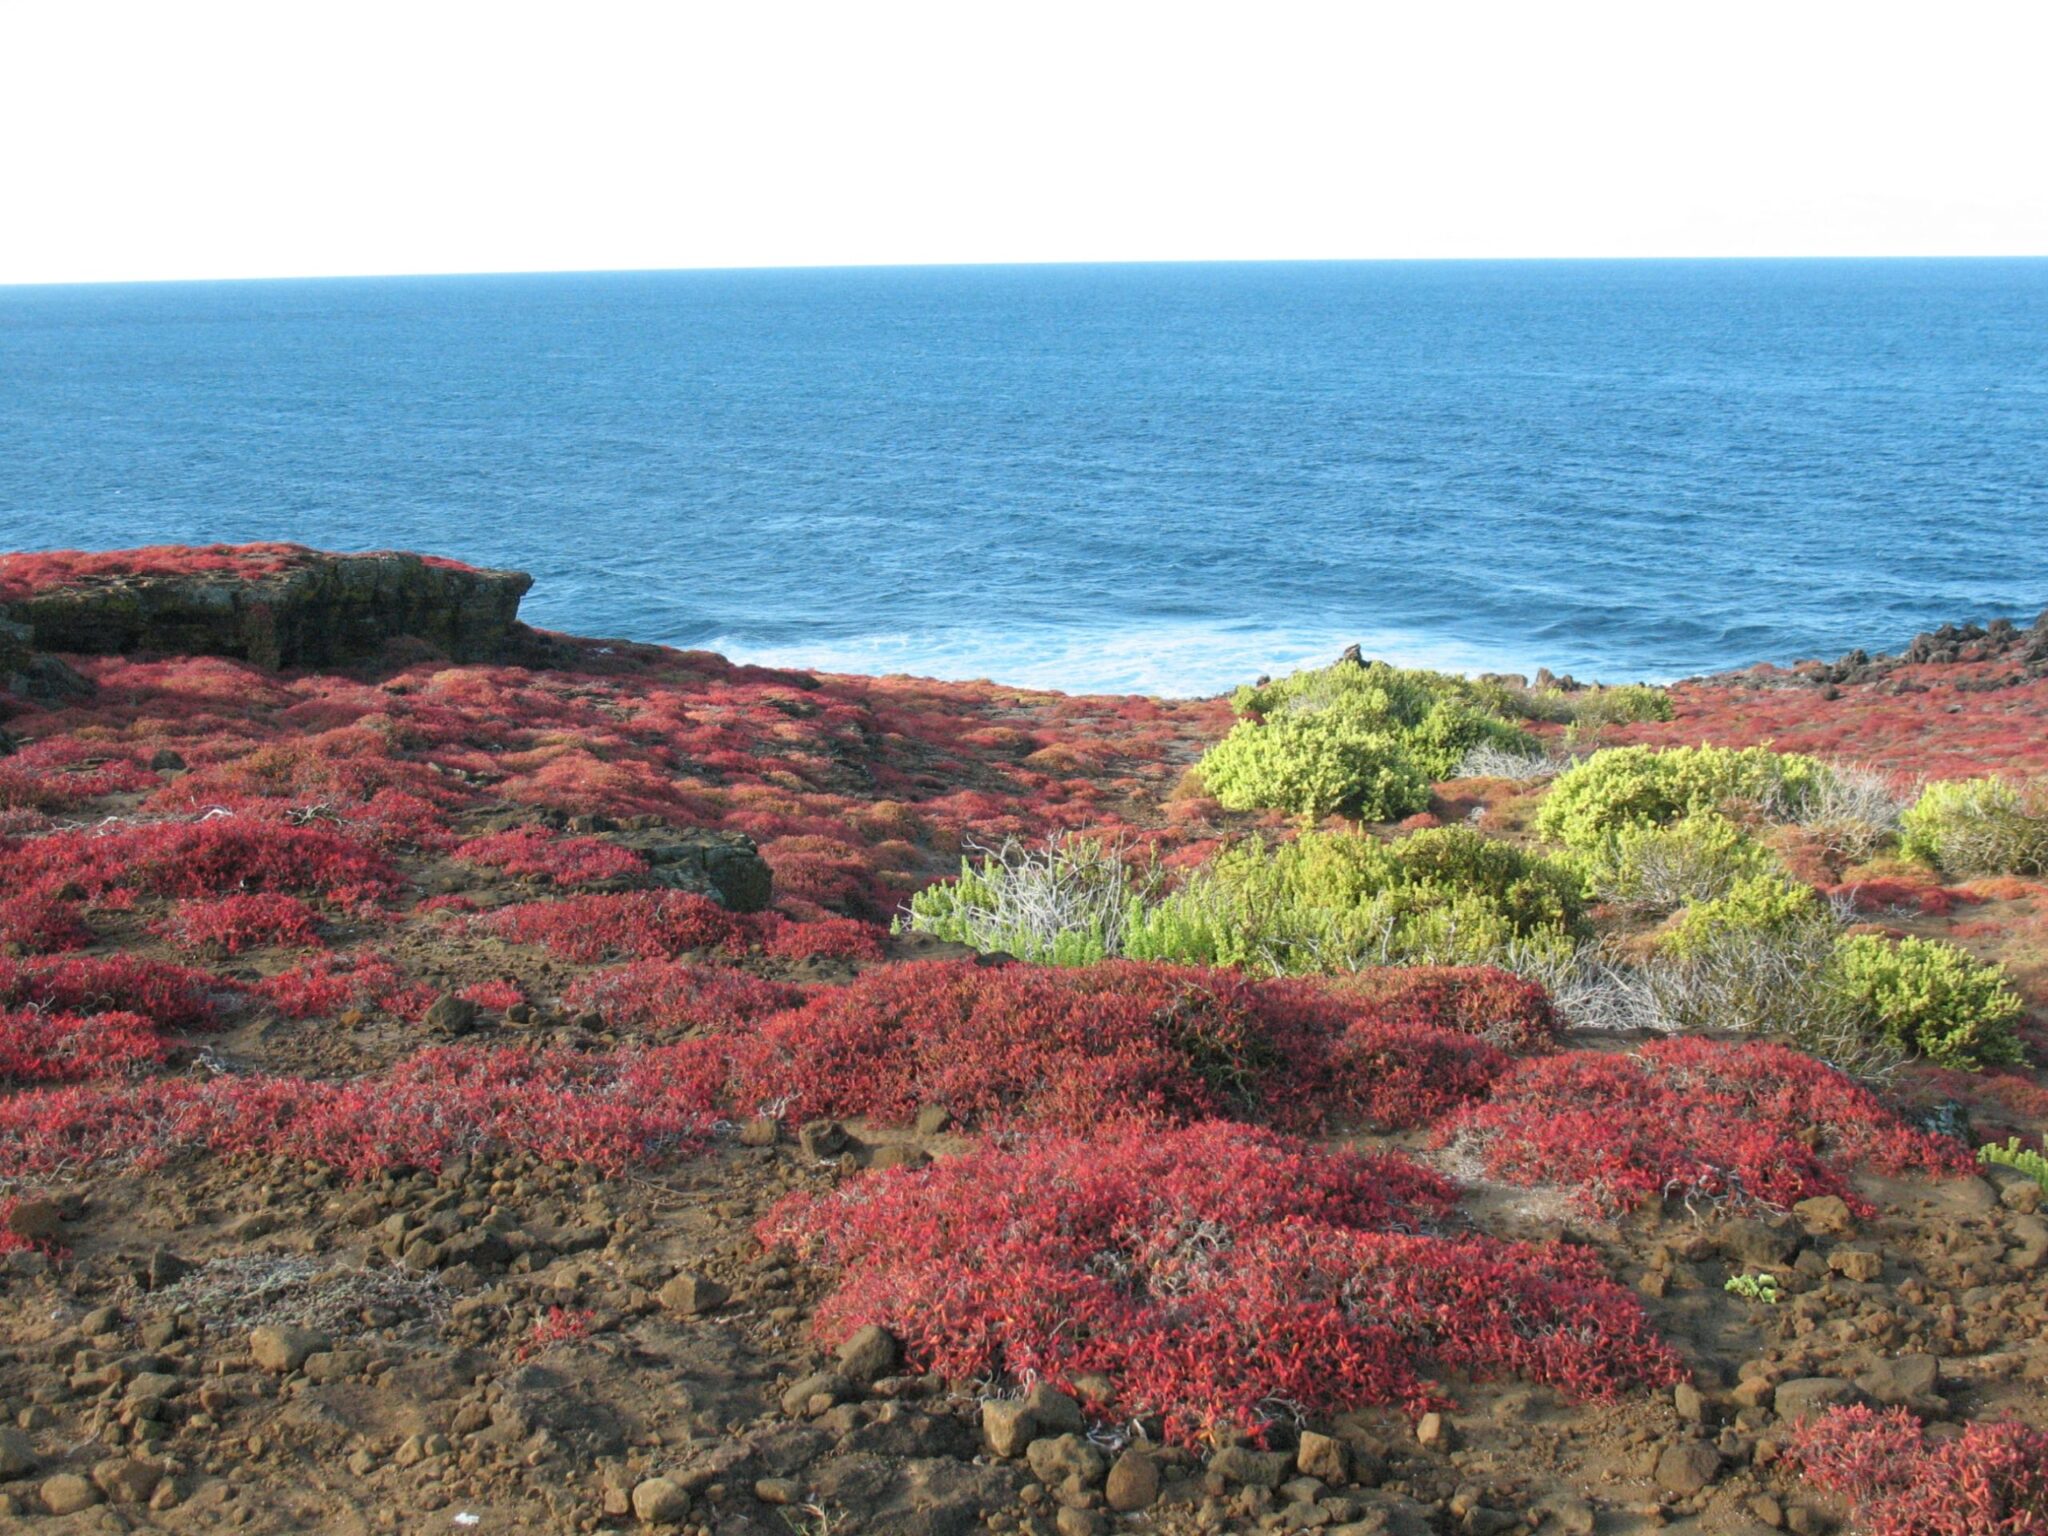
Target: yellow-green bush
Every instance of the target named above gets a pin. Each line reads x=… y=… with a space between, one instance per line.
x=1334 y=901
x=1759 y=906
x=1624 y=787
x=1622 y=704
x=1660 y=869
x=1979 y=826
x=1363 y=741
x=1932 y=999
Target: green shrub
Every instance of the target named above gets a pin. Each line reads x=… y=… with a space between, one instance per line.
x=1761 y=905
x=1314 y=766
x=2018 y=1158
x=1624 y=787
x=1622 y=704
x=1335 y=901
x=1363 y=741
x=1660 y=869
x=1980 y=827
x=1932 y=999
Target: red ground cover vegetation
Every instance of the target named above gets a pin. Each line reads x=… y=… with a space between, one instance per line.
x=215 y=856
x=330 y=984
x=227 y=925
x=663 y=997
x=1021 y=1045
x=42 y=1047
x=1690 y=1119
x=1989 y=1480
x=660 y=925
x=1938 y=720
x=1216 y=1275
x=609 y=1112
x=170 y=996
x=537 y=853
x=27 y=574
x=1498 y=1006
x=38 y=924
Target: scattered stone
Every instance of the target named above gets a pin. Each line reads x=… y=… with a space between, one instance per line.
x=67 y=1493
x=451 y=1015
x=1253 y=1469
x=692 y=1294
x=869 y=1355
x=1691 y=1406
x=1060 y=1457
x=17 y=1454
x=1804 y=1396
x=1859 y=1264
x=933 y=1119
x=281 y=1348
x=1324 y=1457
x=1133 y=1483
x=657 y=1501
x=1433 y=1432
x=1071 y=1521
x=823 y=1139
x=40 y=1221
x=1053 y=1411
x=800 y=1400
x=1825 y=1216
x=124 y=1480
x=1008 y=1427
x=1900 y=1379
x=761 y=1131
x=777 y=1490
x=1687 y=1466
x=165 y=1268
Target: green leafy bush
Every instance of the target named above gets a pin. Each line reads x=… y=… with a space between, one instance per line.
x=1335 y=901
x=1980 y=826
x=1932 y=999
x=1760 y=905
x=1622 y=704
x=2018 y=1158
x=1624 y=787
x=1659 y=869
x=1314 y=766
x=1363 y=741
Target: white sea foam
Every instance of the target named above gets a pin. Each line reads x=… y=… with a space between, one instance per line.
x=1175 y=661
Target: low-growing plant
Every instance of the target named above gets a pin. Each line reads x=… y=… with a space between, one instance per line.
x=538 y=853
x=1932 y=999
x=227 y=925
x=1064 y=903
x=1759 y=1287
x=1622 y=787
x=42 y=1047
x=2022 y=1159
x=668 y=997
x=1620 y=704
x=1853 y=811
x=169 y=996
x=1208 y=1274
x=1689 y=1119
x=1989 y=826
x=1990 y=1479
x=1022 y=1045
x=37 y=924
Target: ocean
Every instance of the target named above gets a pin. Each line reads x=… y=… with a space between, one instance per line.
x=1105 y=478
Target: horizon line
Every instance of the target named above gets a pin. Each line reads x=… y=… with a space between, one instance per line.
x=985 y=266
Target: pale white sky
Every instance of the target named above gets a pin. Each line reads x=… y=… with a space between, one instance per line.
x=190 y=138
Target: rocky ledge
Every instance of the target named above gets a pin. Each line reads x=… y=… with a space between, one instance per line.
x=299 y=609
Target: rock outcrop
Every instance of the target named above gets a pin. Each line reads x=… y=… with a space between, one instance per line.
x=320 y=610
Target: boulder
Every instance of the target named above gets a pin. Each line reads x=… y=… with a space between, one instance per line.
x=281 y=1348
x=658 y=1501
x=1133 y=1483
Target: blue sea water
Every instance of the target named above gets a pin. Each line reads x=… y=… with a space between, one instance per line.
x=1159 y=478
